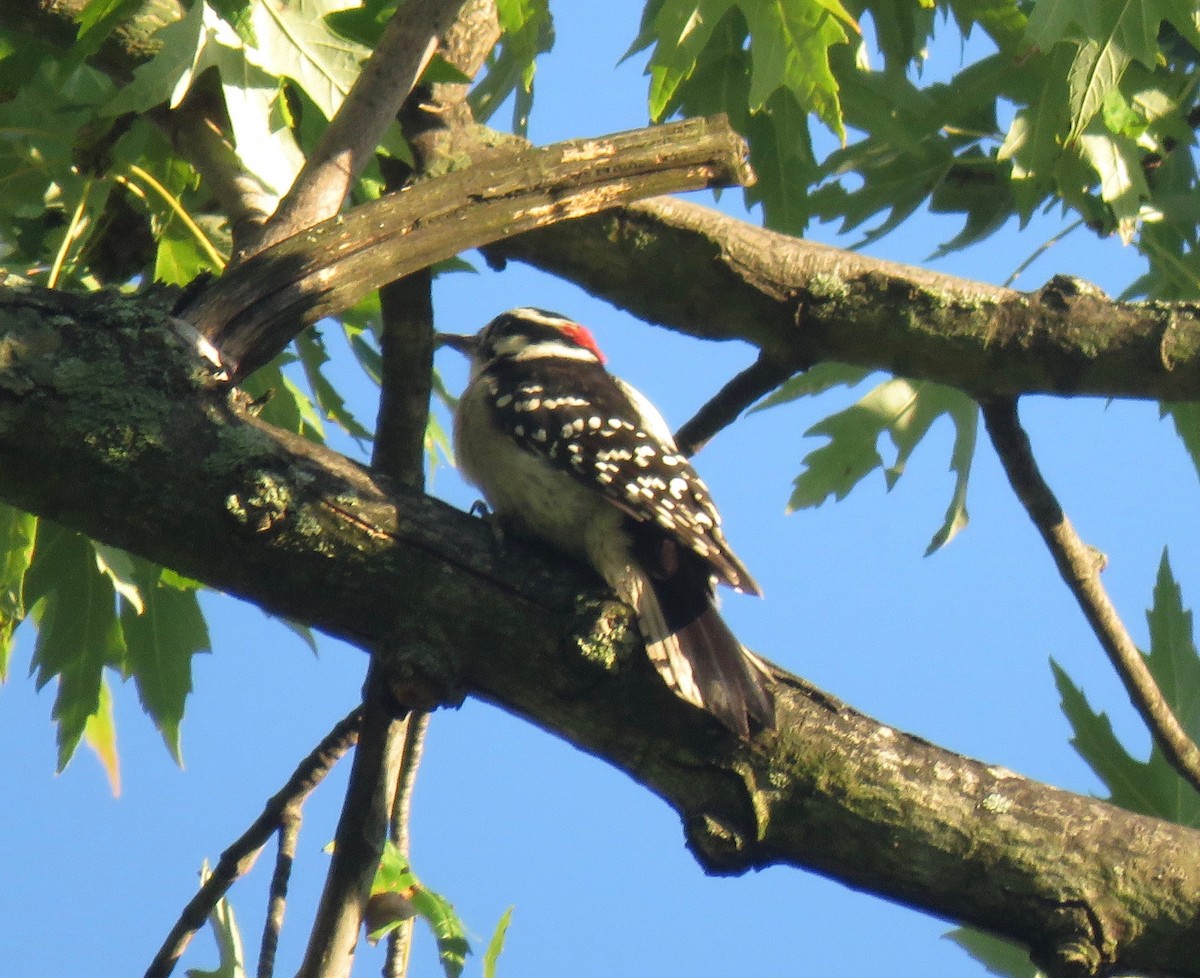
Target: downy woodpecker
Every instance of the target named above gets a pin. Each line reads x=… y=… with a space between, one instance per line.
x=568 y=454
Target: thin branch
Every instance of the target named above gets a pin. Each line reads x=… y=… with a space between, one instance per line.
x=349 y=141
x=1080 y=567
x=400 y=940
x=289 y=833
x=361 y=831
x=757 y=380
x=239 y=857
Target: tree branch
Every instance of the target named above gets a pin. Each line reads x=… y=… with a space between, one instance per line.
x=348 y=143
x=110 y=424
x=727 y=405
x=400 y=940
x=255 y=309
x=289 y=835
x=802 y=302
x=239 y=857
x=361 y=831
x=1080 y=567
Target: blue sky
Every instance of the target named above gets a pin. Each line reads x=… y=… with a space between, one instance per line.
x=953 y=647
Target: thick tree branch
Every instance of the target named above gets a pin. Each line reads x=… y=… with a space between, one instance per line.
x=255 y=309
x=1080 y=567
x=802 y=302
x=111 y=425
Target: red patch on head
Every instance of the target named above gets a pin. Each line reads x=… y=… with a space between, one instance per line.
x=580 y=335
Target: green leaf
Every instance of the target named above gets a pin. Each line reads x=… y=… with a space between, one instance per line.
x=814 y=380
x=528 y=31
x=1094 y=75
x=395 y=875
x=905 y=410
x=78 y=630
x=310 y=347
x=1186 y=417
x=1173 y=659
x=1118 y=161
x=681 y=29
x=293 y=41
x=100 y=734
x=965 y=415
x=281 y=403
x=201 y=40
x=232 y=955
x=496 y=944
x=448 y=929
x=789 y=48
x=17 y=532
x=119 y=567
x=782 y=157
x=96 y=21
x=161 y=639
x=1151 y=787
x=167 y=76
x=998 y=956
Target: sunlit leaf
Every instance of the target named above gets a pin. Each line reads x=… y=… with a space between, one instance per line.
x=118 y=566
x=496 y=944
x=100 y=734
x=395 y=875
x=17 y=532
x=294 y=41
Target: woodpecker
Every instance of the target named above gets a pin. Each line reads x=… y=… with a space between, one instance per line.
x=569 y=454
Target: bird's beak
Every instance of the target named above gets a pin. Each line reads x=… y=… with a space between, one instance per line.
x=463 y=343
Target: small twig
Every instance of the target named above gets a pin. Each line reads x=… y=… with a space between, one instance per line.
x=289 y=833
x=361 y=831
x=1080 y=567
x=349 y=141
x=400 y=940
x=239 y=857
x=760 y=378
x=1041 y=250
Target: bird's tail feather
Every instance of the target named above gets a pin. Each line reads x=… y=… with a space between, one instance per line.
x=703 y=662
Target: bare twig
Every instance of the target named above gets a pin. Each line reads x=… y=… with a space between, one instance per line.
x=1080 y=567
x=760 y=378
x=404 y=50
x=361 y=831
x=400 y=940
x=239 y=857
x=289 y=832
